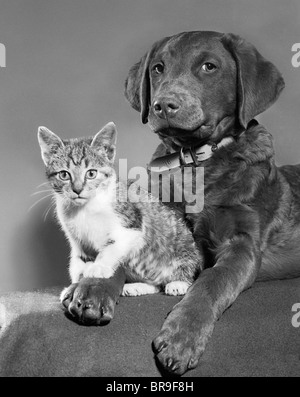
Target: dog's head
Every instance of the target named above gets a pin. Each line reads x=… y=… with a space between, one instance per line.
x=194 y=85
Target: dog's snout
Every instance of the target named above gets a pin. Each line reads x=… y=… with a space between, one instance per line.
x=165 y=107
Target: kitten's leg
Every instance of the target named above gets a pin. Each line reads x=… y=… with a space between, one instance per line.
x=137 y=289
x=114 y=254
x=98 y=269
x=76 y=269
x=177 y=288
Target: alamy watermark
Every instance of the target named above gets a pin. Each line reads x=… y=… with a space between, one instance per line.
x=2 y=56
x=296 y=64
x=296 y=316
x=296 y=57
x=150 y=185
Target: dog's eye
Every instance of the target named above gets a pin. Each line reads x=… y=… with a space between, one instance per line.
x=91 y=174
x=208 y=67
x=158 y=68
x=64 y=175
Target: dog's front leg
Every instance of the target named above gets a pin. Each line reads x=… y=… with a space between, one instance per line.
x=187 y=329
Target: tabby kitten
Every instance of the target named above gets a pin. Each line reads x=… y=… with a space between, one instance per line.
x=105 y=231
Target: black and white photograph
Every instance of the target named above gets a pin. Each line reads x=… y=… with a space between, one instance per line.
x=150 y=191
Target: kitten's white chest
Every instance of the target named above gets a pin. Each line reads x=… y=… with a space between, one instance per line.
x=94 y=227
x=93 y=224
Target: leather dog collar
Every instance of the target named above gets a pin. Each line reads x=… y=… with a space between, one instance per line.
x=191 y=156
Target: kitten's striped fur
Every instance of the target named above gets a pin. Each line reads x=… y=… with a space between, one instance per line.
x=149 y=240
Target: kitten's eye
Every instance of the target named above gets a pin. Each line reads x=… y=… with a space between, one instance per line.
x=91 y=174
x=64 y=176
x=158 y=68
x=208 y=67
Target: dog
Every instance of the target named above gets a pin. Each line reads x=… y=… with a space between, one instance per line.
x=199 y=89
x=200 y=92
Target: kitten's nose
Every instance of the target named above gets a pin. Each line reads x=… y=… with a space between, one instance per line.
x=77 y=189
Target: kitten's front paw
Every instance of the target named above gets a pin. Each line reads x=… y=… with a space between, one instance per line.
x=66 y=295
x=98 y=271
x=176 y=288
x=137 y=289
x=62 y=294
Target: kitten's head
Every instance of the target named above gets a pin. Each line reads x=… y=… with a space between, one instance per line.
x=79 y=168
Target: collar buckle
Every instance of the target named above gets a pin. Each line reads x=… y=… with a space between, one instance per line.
x=214 y=147
x=196 y=162
x=193 y=156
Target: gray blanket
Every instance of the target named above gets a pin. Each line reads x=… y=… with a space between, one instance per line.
x=255 y=337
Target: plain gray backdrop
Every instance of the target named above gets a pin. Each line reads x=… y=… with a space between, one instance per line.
x=67 y=61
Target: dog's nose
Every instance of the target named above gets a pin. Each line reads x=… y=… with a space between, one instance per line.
x=165 y=108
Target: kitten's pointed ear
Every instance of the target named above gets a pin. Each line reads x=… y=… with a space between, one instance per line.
x=49 y=143
x=106 y=139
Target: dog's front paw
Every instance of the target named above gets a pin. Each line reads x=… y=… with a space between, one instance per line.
x=181 y=341
x=92 y=301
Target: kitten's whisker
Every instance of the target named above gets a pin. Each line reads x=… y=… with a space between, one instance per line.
x=43 y=184
x=34 y=204
x=48 y=210
x=41 y=191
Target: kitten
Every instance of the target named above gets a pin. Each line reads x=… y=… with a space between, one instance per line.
x=148 y=239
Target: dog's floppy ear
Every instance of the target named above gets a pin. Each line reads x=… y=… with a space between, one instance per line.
x=259 y=83
x=137 y=85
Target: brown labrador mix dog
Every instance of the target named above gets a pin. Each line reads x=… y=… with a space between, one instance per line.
x=196 y=89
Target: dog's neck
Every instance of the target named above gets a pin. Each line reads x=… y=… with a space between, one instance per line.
x=254 y=137
x=192 y=156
